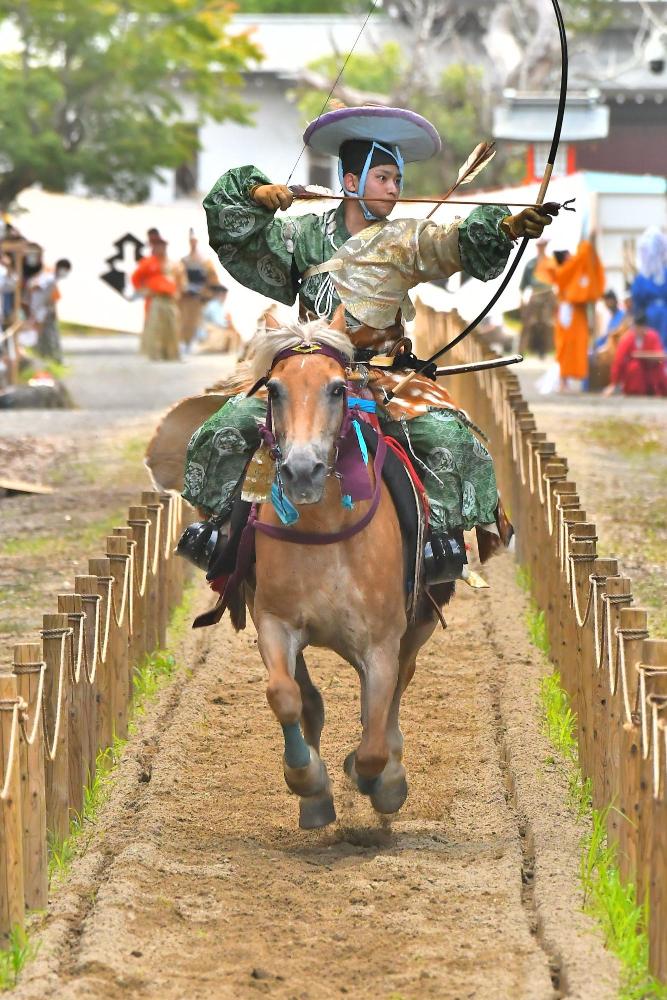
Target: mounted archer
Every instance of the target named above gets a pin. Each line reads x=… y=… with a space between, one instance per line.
x=355 y=256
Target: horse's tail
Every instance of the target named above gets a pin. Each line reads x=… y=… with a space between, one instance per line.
x=237 y=609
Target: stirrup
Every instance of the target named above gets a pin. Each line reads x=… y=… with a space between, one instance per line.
x=202 y=541
x=444 y=558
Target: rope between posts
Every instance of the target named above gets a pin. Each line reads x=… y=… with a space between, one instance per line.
x=90 y=675
x=624 y=634
x=612 y=600
x=17 y=706
x=144 y=523
x=102 y=653
x=156 y=541
x=119 y=616
x=51 y=749
x=76 y=617
x=32 y=668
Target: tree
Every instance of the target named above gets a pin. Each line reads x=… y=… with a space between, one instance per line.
x=104 y=93
x=456 y=102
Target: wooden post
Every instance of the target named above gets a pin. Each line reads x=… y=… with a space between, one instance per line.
x=12 y=893
x=588 y=673
x=151 y=501
x=633 y=623
x=86 y=587
x=606 y=717
x=100 y=569
x=657 y=928
x=139 y=522
x=28 y=666
x=567 y=655
x=118 y=555
x=653 y=682
x=56 y=704
x=70 y=604
x=165 y=547
x=135 y=639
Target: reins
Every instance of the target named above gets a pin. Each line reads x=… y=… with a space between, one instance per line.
x=285 y=534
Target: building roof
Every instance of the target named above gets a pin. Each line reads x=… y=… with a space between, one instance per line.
x=530 y=117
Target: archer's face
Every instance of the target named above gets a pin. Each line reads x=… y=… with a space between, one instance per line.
x=382 y=182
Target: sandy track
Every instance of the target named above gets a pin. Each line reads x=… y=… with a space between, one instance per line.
x=197 y=882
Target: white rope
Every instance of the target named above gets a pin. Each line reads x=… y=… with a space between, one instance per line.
x=18 y=705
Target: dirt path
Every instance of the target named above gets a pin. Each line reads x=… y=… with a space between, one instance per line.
x=195 y=881
x=198 y=883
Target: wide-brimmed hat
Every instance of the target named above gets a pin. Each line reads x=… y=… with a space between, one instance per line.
x=416 y=138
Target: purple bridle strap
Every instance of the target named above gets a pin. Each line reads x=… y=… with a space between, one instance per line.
x=284 y=534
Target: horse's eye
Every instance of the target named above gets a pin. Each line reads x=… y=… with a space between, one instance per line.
x=272 y=390
x=337 y=390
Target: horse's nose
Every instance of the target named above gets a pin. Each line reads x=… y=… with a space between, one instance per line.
x=303 y=475
x=296 y=470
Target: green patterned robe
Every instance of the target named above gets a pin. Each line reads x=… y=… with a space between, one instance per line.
x=269 y=254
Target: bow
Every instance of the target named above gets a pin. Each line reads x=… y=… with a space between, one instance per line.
x=548 y=170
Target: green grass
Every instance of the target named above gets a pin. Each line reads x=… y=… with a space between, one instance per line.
x=613 y=905
x=629 y=439
x=535 y=623
x=62 y=852
x=88 y=536
x=149 y=676
x=624 y=922
x=12 y=960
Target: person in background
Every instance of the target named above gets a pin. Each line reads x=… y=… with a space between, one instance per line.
x=538 y=302
x=42 y=298
x=649 y=288
x=220 y=334
x=157 y=278
x=639 y=362
x=616 y=316
x=197 y=279
x=7 y=289
x=579 y=280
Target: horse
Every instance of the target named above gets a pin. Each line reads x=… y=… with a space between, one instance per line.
x=347 y=595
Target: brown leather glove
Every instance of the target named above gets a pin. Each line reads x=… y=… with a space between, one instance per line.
x=530 y=222
x=272 y=196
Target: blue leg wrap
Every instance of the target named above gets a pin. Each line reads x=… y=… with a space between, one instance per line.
x=297 y=753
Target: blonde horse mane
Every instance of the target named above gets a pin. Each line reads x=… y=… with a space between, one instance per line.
x=271 y=341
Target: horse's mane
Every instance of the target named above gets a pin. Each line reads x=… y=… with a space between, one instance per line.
x=269 y=342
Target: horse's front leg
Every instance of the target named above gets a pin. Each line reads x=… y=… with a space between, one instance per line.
x=378 y=673
x=305 y=772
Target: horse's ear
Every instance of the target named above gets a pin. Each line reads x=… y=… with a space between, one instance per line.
x=338 y=321
x=271 y=322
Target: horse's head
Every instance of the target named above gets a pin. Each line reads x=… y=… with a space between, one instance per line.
x=307 y=399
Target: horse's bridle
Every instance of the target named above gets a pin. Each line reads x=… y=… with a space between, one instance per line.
x=289 y=534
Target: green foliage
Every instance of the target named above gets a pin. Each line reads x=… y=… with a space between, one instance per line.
x=93 y=91
x=298 y=7
x=624 y=922
x=148 y=678
x=62 y=852
x=458 y=106
x=13 y=958
x=590 y=17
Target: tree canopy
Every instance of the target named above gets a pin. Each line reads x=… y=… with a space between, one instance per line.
x=103 y=93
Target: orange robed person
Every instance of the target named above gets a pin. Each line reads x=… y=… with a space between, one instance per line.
x=579 y=279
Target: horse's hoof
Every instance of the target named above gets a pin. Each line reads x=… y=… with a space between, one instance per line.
x=316 y=811
x=389 y=797
x=310 y=780
x=365 y=785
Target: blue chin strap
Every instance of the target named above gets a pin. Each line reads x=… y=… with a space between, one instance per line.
x=395 y=154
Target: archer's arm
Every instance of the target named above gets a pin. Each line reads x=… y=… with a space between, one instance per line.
x=251 y=244
x=477 y=245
